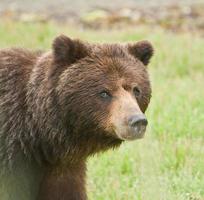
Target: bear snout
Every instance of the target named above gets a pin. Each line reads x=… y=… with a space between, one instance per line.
x=134 y=128
x=137 y=126
x=138 y=120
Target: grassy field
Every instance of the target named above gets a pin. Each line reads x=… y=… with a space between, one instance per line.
x=168 y=164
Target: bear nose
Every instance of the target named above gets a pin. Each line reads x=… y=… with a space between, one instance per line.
x=137 y=121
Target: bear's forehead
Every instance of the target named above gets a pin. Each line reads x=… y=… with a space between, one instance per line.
x=110 y=64
x=113 y=72
x=114 y=59
x=112 y=50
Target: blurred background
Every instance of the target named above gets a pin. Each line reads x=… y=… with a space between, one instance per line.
x=168 y=164
x=171 y=15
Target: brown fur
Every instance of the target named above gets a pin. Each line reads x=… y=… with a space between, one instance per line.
x=51 y=112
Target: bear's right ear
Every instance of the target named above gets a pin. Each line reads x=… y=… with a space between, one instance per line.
x=142 y=50
x=68 y=51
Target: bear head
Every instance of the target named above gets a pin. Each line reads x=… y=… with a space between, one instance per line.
x=102 y=90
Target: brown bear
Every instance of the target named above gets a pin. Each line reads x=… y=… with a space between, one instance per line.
x=59 y=107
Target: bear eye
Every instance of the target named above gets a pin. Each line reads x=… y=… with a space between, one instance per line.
x=105 y=95
x=136 y=91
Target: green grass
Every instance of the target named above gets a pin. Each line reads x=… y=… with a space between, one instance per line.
x=168 y=164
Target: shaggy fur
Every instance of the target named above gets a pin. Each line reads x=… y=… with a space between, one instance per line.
x=52 y=117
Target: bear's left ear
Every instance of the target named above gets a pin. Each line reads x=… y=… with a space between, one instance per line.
x=142 y=50
x=68 y=51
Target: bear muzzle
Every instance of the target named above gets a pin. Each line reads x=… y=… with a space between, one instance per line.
x=134 y=129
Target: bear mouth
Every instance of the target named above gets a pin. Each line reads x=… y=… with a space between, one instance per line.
x=131 y=133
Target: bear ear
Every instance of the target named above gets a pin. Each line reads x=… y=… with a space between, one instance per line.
x=142 y=50
x=68 y=51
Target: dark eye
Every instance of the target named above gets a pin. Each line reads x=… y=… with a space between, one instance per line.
x=105 y=95
x=136 y=91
